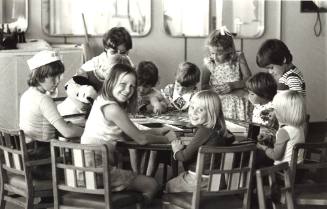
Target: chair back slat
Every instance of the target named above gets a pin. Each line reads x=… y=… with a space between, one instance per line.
x=278 y=191
x=85 y=169
x=13 y=150
x=229 y=172
x=309 y=174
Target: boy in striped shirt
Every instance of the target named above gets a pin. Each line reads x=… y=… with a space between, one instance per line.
x=275 y=56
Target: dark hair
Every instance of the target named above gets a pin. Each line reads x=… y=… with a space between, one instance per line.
x=262 y=84
x=111 y=81
x=147 y=73
x=51 y=69
x=188 y=74
x=117 y=36
x=273 y=51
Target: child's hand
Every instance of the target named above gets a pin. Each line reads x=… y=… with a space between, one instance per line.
x=177 y=145
x=224 y=88
x=262 y=147
x=267 y=115
x=171 y=135
x=157 y=108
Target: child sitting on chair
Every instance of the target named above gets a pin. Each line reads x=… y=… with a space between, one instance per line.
x=150 y=99
x=262 y=88
x=206 y=114
x=179 y=94
x=109 y=122
x=39 y=117
x=290 y=110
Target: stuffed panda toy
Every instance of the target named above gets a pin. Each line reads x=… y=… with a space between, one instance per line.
x=80 y=96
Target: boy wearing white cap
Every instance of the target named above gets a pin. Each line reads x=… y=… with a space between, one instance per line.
x=39 y=117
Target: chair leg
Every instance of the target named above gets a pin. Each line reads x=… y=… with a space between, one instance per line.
x=2 y=201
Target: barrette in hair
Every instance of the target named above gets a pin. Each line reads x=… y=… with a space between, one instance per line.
x=224 y=31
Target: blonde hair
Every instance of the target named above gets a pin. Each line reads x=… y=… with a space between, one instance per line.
x=290 y=108
x=211 y=102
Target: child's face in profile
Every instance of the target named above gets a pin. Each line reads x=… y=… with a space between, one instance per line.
x=124 y=88
x=255 y=99
x=144 y=89
x=276 y=71
x=50 y=83
x=182 y=89
x=197 y=113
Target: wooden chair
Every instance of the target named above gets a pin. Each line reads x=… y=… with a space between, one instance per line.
x=229 y=179
x=17 y=183
x=279 y=187
x=86 y=179
x=309 y=177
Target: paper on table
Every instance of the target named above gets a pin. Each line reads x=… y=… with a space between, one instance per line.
x=234 y=128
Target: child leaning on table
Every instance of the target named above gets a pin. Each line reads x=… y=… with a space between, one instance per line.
x=275 y=56
x=179 y=94
x=39 y=117
x=290 y=110
x=109 y=122
x=150 y=99
x=206 y=114
x=262 y=88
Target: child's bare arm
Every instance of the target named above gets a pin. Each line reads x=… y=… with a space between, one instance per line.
x=120 y=118
x=277 y=152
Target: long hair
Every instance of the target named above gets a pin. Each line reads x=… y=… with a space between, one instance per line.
x=290 y=108
x=111 y=81
x=211 y=102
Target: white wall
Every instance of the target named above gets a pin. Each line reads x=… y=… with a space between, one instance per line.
x=283 y=20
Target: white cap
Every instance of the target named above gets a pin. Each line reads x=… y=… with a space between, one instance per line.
x=42 y=58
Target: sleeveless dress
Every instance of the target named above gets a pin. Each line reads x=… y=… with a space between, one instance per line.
x=234 y=106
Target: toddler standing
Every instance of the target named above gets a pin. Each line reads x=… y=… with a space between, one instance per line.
x=179 y=94
x=275 y=56
x=226 y=72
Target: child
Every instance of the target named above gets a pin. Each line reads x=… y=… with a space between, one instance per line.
x=179 y=94
x=262 y=88
x=150 y=99
x=226 y=72
x=206 y=114
x=109 y=122
x=116 y=41
x=277 y=58
x=39 y=117
x=290 y=111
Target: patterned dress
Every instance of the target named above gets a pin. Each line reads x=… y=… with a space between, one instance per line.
x=234 y=106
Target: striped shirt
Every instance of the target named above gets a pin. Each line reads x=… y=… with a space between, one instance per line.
x=292 y=80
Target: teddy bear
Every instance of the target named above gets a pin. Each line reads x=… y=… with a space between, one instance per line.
x=80 y=96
